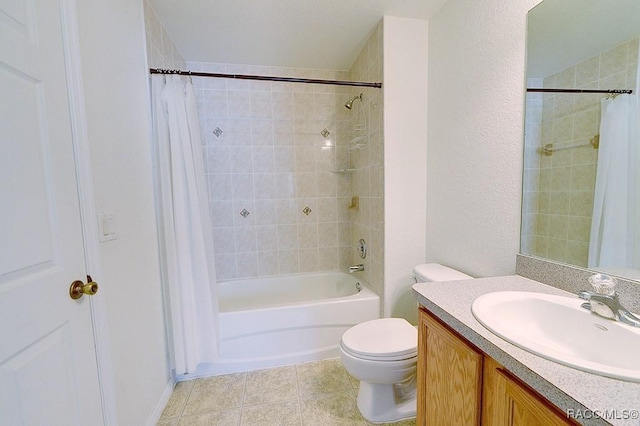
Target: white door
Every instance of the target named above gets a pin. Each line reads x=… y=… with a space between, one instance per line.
x=48 y=369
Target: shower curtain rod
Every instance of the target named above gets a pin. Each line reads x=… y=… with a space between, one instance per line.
x=609 y=91
x=265 y=78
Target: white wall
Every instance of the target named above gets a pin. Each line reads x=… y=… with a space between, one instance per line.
x=115 y=84
x=405 y=156
x=476 y=116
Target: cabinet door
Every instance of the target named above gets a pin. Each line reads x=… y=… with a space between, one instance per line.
x=509 y=402
x=449 y=376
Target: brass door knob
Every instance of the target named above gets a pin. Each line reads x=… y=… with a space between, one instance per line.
x=78 y=288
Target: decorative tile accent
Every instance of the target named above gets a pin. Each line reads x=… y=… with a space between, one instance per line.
x=244 y=213
x=306 y=211
x=325 y=133
x=217 y=131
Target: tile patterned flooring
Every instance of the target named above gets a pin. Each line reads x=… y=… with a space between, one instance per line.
x=318 y=393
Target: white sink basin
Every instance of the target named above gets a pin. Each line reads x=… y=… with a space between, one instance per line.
x=557 y=328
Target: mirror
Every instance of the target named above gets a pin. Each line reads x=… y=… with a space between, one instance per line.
x=581 y=180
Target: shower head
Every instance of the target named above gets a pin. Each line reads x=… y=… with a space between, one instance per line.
x=349 y=104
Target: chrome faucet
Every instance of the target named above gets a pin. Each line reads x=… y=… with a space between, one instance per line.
x=608 y=306
x=356 y=268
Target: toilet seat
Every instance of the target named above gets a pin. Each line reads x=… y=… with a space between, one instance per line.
x=385 y=339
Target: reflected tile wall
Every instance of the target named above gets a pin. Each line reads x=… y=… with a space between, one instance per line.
x=277 y=207
x=531 y=176
x=558 y=204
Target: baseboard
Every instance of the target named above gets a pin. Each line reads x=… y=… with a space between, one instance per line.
x=153 y=418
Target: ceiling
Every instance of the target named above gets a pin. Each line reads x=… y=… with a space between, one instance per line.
x=320 y=34
x=329 y=34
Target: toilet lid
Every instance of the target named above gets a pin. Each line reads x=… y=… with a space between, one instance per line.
x=382 y=339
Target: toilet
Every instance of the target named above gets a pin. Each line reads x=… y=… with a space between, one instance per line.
x=382 y=354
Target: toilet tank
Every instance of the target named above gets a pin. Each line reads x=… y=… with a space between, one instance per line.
x=435 y=272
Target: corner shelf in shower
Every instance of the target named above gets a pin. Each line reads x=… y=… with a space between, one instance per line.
x=356 y=143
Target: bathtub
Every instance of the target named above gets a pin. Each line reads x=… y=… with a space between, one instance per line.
x=283 y=320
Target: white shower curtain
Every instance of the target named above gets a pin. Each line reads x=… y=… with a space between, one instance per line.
x=185 y=235
x=615 y=226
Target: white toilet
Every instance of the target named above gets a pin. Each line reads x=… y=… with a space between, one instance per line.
x=382 y=354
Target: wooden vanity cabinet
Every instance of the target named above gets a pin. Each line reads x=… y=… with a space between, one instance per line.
x=508 y=401
x=459 y=384
x=449 y=376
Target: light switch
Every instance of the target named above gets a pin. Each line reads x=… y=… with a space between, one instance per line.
x=104 y=225
x=107 y=225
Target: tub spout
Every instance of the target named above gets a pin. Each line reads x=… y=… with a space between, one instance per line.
x=356 y=268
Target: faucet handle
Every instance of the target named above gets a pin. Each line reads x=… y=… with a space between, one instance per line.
x=603 y=284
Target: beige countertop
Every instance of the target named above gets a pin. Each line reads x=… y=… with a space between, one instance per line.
x=582 y=394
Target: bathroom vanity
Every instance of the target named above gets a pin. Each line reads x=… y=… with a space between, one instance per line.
x=469 y=376
x=485 y=392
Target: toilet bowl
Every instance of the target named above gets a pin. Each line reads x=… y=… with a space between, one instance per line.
x=382 y=354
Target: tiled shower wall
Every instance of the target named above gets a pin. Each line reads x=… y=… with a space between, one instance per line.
x=367 y=158
x=267 y=156
x=559 y=199
x=161 y=52
x=272 y=151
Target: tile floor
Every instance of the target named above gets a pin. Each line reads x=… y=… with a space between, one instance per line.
x=319 y=393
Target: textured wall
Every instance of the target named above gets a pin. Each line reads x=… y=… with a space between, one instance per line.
x=405 y=156
x=115 y=83
x=475 y=140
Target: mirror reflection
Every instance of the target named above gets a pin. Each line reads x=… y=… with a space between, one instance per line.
x=581 y=201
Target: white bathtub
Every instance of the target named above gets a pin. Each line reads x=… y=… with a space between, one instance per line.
x=289 y=319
